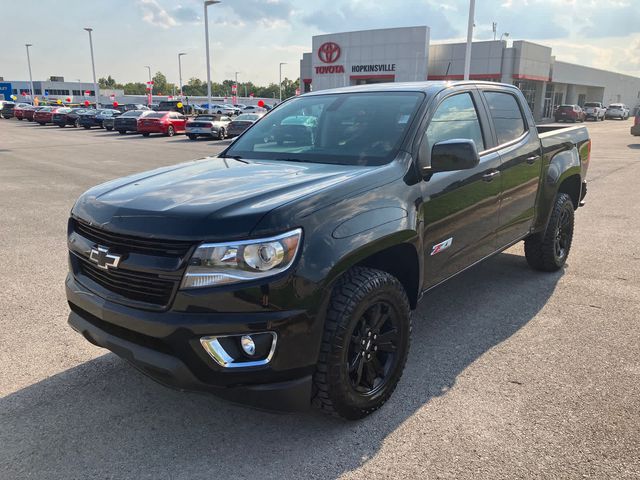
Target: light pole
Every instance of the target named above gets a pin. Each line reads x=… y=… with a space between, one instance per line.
x=30 y=76
x=467 y=53
x=280 y=82
x=206 y=39
x=93 y=67
x=180 y=73
x=236 y=86
x=150 y=99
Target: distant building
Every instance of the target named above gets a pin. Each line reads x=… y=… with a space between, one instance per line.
x=405 y=54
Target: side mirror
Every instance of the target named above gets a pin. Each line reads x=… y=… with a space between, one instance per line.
x=452 y=155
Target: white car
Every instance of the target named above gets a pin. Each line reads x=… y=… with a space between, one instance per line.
x=222 y=109
x=594 y=110
x=617 y=110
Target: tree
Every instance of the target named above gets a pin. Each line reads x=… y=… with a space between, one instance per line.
x=108 y=82
x=135 y=88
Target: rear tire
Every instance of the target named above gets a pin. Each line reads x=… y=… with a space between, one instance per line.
x=122 y=132
x=86 y=127
x=192 y=137
x=365 y=344
x=145 y=134
x=108 y=129
x=548 y=251
x=221 y=134
x=170 y=131
x=62 y=126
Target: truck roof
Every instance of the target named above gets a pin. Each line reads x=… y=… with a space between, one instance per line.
x=429 y=87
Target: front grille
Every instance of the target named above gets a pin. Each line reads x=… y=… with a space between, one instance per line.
x=138 y=286
x=131 y=244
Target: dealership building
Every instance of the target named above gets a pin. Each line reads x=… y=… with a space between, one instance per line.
x=406 y=55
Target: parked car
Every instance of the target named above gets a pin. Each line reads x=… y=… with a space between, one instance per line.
x=102 y=115
x=569 y=113
x=617 y=110
x=594 y=111
x=635 y=129
x=236 y=110
x=127 y=107
x=221 y=109
x=208 y=126
x=241 y=106
x=29 y=112
x=242 y=122
x=166 y=123
x=68 y=116
x=254 y=109
x=281 y=275
x=108 y=120
x=128 y=121
x=7 y=110
x=44 y=115
x=87 y=119
x=172 y=106
x=20 y=109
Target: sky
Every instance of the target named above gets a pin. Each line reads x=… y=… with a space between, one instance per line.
x=252 y=36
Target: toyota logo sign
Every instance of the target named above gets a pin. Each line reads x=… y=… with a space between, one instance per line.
x=329 y=52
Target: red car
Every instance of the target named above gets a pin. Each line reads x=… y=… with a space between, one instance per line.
x=28 y=113
x=569 y=113
x=21 y=109
x=167 y=123
x=45 y=115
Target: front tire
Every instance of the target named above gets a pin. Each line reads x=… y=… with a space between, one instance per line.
x=108 y=128
x=122 y=132
x=170 y=131
x=145 y=134
x=365 y=344
x=192 y=137
x=548 y=251
x=221 y=134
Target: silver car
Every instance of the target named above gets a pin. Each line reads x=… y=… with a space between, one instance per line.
x=208 y=126
x=617 y=110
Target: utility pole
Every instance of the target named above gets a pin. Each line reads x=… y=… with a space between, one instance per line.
x=467 y=54
x=93 y=67
x=33 y=93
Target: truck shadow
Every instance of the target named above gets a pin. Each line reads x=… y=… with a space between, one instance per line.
x=103 y=418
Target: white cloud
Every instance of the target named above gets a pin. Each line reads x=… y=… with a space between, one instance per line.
x=154 y=14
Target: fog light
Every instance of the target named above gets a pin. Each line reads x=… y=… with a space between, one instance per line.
x=248 y=345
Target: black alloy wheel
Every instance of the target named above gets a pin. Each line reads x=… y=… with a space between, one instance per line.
x=365 y=343
x=372 y=350
x=563 y=235
x=548 y=251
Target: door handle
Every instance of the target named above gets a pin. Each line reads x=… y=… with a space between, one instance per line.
x=532 y=160
x=488 y=177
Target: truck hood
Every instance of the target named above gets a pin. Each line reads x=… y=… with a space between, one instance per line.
x=212 y=199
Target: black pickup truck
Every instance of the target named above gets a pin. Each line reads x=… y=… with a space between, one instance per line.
x=283 y=272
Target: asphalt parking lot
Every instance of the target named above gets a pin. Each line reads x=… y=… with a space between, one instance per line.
x=512 y=373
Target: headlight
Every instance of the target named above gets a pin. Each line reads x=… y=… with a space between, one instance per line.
x=233 y=262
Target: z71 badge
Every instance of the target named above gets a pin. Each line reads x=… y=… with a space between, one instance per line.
x=437 y=248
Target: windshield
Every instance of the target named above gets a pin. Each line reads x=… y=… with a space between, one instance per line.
x=348 y=129
x=156 y=115
x=132 y=113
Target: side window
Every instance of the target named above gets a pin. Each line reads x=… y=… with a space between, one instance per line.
x=455 y=117
x=506 y=115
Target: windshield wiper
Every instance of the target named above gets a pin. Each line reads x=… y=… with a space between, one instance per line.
x=236 y=157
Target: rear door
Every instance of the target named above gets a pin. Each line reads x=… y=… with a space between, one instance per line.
x=520 y=162
x=460 y=209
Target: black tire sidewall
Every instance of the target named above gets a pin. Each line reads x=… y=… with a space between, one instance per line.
x=378 y=287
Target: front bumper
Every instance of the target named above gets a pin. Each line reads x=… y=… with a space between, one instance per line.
x=635 y=130
x=165 y=346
